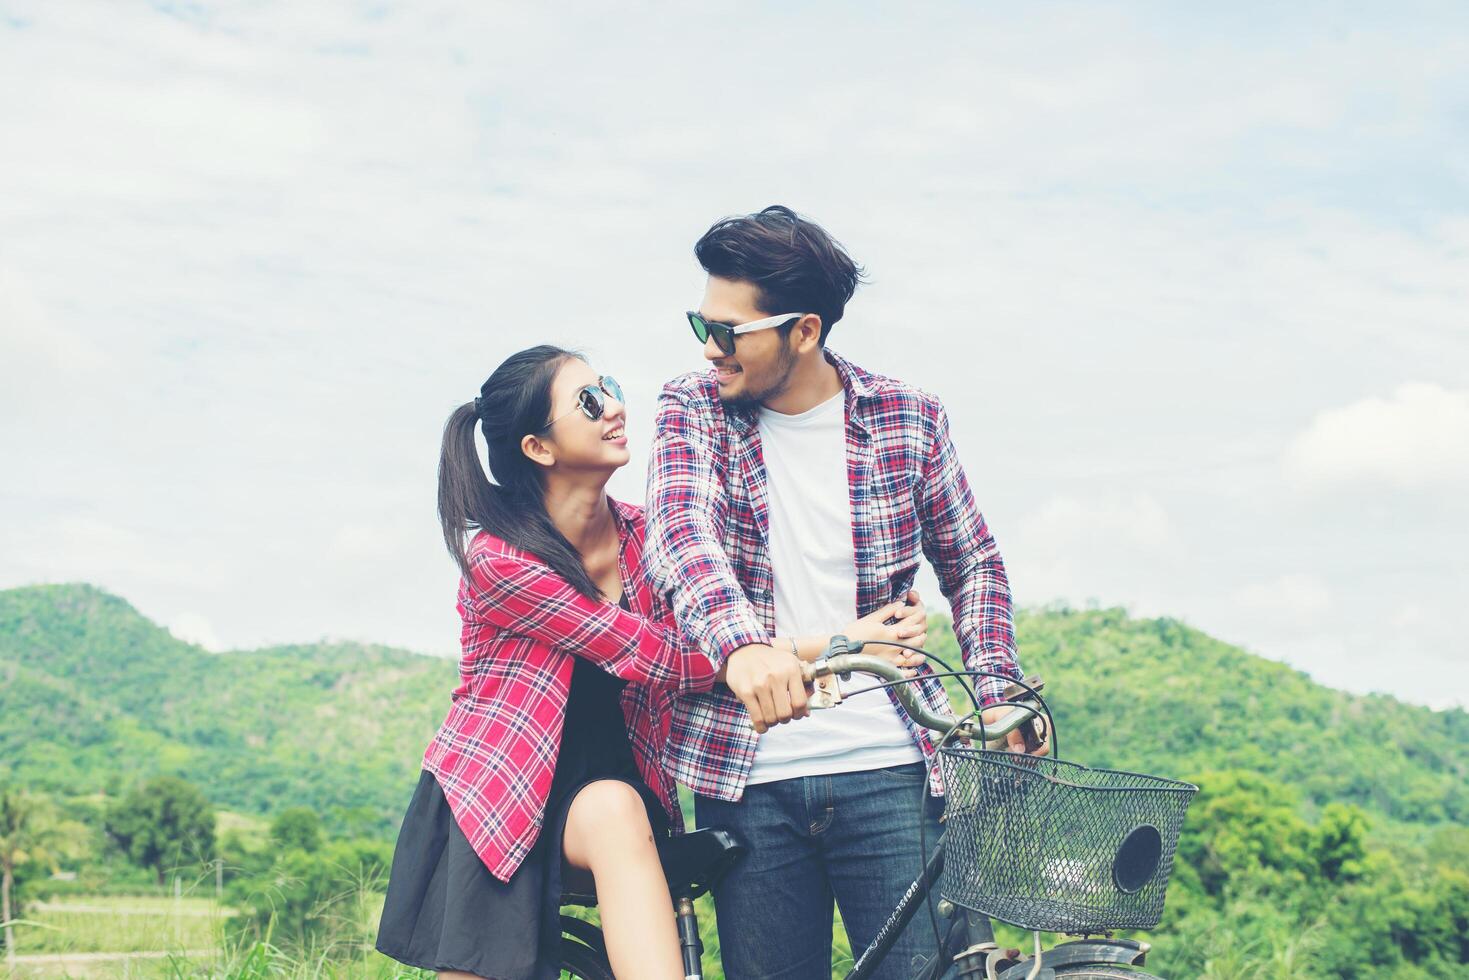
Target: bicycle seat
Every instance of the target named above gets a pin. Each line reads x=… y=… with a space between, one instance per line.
x=693 y=863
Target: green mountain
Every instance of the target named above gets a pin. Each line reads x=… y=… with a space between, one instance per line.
x=1330 y=839
x=92 y=694
x=1154 y=695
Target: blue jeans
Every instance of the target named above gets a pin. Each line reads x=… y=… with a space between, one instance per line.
x=852 y=837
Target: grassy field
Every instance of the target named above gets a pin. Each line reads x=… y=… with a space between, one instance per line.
x=257 y=962
x=120 y=924
x=164 y=937
x=187 y=939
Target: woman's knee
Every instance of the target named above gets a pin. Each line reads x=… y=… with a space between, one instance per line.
x=612 y=802
x=608 y=811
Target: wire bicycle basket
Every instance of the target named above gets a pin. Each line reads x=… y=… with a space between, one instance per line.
x=1055 y=846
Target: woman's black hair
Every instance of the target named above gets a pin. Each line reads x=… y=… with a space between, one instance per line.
x=515 y=401
x=795 y=264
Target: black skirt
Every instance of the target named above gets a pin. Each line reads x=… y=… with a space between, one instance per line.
x=446 y=911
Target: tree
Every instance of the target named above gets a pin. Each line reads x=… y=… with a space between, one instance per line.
x=162 y=824
x=1339 y=842
x=297 y=827
x=30 y=831
x=1244 y=830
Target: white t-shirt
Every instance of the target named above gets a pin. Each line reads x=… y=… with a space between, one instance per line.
x=812 y=556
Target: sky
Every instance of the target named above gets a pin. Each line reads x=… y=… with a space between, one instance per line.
x=1191 y=279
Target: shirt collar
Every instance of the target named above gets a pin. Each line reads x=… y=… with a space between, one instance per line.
x=856 y=382
x=626 y=515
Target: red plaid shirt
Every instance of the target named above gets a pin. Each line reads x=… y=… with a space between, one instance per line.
x=708 y=550
x=496 y=752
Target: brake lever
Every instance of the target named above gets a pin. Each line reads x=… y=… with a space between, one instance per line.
x=826 y=690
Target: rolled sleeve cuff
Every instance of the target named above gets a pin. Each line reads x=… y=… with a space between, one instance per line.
x=698 y=673
x=735 y=631
x=989 y=690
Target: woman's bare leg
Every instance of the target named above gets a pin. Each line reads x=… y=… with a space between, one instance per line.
x=607 y=833
x=456 y=975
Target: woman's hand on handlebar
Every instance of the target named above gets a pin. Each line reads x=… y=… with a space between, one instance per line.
x=910 y=626
x=1015 y=741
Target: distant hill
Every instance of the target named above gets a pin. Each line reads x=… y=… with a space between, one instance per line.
x=1157 y=696
x=93 y=694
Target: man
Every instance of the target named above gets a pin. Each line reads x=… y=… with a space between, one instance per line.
x=790 y=492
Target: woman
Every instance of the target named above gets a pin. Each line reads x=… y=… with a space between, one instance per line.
x=549 y=763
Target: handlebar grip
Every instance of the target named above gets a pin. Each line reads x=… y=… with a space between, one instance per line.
x=1029 y=737
x=1027 y=730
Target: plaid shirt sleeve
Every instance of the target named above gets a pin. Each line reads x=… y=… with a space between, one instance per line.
x=686 y=514
x=525 y=597
x=958 y=544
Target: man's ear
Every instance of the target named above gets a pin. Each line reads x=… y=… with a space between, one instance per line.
x=537 y=451
x=806 y=333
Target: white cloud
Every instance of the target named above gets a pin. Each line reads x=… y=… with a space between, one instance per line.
x=1417 y=437
x=193 y=627
x=40 y=359
x=1062 y=523
x=354 y=542
x=1107 y=548
x=1412 y=615
x=288 y=238
x=1294 y=600
x=92 y=549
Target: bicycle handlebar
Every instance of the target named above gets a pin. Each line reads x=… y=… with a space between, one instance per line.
x=843 y=664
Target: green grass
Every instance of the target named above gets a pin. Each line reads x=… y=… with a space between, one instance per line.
x=92 y=924
x=120 y=924
x=125 y=924
x=255 y=962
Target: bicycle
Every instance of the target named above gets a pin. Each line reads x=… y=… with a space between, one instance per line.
x=1031 y=840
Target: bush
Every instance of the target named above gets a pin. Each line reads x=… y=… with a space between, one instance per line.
x=297 y=828
x=324 y=898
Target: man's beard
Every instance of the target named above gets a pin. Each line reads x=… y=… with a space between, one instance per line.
x=752 y=398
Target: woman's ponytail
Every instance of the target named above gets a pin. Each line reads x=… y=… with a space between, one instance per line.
x=466 y=498
x=515 y=401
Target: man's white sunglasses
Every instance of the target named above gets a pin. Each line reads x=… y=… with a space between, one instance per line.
x=724 y=333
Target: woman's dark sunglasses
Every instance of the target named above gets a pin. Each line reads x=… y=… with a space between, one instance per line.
x=590 y=401
x=724 y=333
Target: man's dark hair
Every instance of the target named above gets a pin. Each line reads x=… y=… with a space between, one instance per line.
x=796 y=266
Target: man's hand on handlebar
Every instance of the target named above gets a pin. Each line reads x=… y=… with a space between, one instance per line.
x=910 y=626
x=769 y=684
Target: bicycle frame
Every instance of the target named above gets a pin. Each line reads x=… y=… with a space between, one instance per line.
x=865 y=964
x=969 y=941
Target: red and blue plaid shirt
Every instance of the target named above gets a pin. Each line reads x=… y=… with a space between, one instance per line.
x=495 y=754
x=708 y=551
